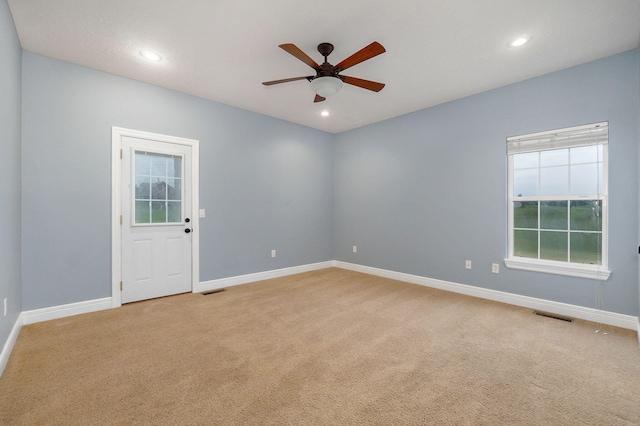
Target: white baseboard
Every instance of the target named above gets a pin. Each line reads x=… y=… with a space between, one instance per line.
x=8 y=346
x=259 y=276
x=574 y=311
x=61 y=311
x=55 y=312
x=589 y=314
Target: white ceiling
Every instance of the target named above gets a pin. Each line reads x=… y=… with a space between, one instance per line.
x=222 y=50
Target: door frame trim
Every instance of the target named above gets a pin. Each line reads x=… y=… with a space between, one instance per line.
x=117 y=133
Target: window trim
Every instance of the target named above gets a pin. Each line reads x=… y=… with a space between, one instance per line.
x=542 y=141
x=596 y=272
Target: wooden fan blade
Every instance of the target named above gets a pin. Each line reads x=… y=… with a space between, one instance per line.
x=319 y=98
x=374 y=49
x=295 y=51
x=365 y=84
x=286 y=80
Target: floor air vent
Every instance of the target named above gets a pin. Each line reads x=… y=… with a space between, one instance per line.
x=214 y=291
x=544 y=314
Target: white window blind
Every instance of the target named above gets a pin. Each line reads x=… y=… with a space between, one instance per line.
x=591 y=134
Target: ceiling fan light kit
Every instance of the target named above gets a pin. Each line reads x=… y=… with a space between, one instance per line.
x=328 y=81
x=326 y=86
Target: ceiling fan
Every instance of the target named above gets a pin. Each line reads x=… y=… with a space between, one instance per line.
x=328 y=80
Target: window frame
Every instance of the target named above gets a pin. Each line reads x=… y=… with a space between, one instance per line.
x=544 y=141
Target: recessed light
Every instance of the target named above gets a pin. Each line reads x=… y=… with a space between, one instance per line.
x=150 y=55
x=325 y=113
x=520 y=41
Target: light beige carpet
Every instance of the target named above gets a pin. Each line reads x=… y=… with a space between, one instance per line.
x=330 y=347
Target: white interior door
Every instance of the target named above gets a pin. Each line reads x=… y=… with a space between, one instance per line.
x=156 y=238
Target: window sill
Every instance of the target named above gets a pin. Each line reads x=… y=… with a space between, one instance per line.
x=595 y=272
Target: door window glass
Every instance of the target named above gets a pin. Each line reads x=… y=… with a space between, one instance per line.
x=158 y=188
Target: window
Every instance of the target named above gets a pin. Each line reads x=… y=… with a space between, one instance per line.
x=557 y=201
x=158 y=188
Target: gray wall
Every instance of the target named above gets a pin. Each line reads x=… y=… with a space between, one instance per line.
x=265 y=183
x=418 y=194
x=422 y=193
x=10 y=107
